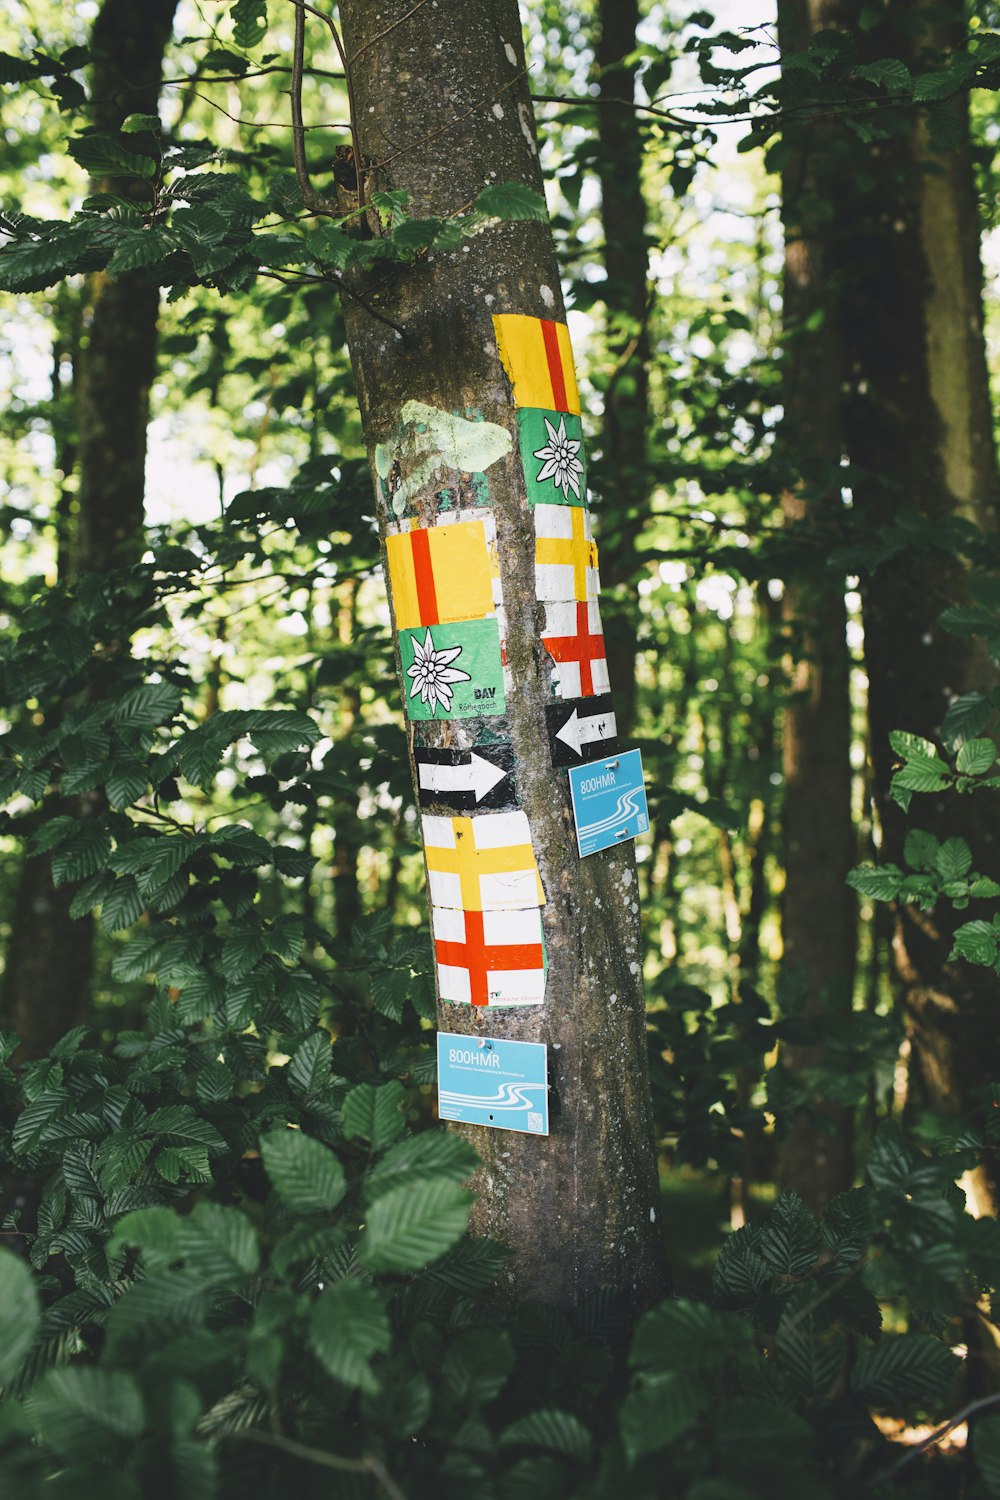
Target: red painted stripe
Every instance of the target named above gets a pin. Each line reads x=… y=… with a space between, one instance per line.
x=480 y=958
x=423 y=575
x=583 y=648
x=554 y=358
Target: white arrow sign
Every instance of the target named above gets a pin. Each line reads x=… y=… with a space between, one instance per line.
x=585 y=729
x=478 y=776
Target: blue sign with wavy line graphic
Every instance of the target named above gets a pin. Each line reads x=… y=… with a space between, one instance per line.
x=493 y=1082
x=609 y=801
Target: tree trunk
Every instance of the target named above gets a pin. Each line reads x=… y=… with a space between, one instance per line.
x=442 y=110
x=49 y=960
x=918 y=429
x=818 y=908
x=625 y=480
x=129 y=39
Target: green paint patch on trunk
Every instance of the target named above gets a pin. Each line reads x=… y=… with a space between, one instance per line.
x=553 y=456
x=453 y=671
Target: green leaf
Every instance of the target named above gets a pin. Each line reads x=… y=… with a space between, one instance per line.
x=309 y=1071
x=20 y=1315
x=31 y=265
x=476 y=1368
x=891 y=72
x=140 y=248
x=435 y=1154
x=91 y=893
x=880 y=884
x=347 y=1326
x=127 y=781
x=470 y=1266
x=122 y=906
x=512 y=200
x=35 y=1121
x=179 y=1123
x=659 y=1411
x=305 y=1173
x=921 y=850
x=976 y=757
x=105 y=156
x=241 y=950
x=154 y=1231
x=373 y=1112
x=83 y=1412
x=554 y=1431
x=789 y=1241
x=134 y=124
x=903 y=1368
x=147 y=706
x=977 y=942
x=954 y=859
x=83 y=853
x=966 y=717
x=249 y=22
x=414 y=1224
x=847 y=1224
x=218 y=1244
x=689 y=1336
x=17 y=69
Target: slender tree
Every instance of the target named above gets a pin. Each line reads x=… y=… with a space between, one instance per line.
x=624 y=429
x=441 y=110
x=905 y=257
x=818 y=908
x=48 y=968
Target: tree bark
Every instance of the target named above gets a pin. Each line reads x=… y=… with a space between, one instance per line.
x=443 y=109
x=818 y=907
x=129 y=39
x=49 y=961
x=624 y=473
x=917 y=423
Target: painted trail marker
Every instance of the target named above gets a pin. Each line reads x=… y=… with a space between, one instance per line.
x=493 y=1082
x=453 y=671
x=489 y=957
x=466 y=779
x=609 y=802
x=582 y=730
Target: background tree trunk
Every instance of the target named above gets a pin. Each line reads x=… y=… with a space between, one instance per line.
x=50 y=956
x=918 y=430
x=624 y=474
x=818 y=907
x=443 y=109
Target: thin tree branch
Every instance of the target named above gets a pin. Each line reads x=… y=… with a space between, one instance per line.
x=929 y=1442
x=239 y=77
x=368 y=1465
x=380 y=34
x=342 y=286
x=311 y=198
x=847 y=106
x=351 y=109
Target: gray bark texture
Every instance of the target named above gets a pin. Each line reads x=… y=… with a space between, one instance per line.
x=442 y=110
x=818 y=907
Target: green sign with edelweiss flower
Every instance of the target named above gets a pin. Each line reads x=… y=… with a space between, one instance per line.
x=452 y=671
x=553 y=457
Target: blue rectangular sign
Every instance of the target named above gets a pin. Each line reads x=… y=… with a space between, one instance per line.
x=609 y=801
x=484 y=1080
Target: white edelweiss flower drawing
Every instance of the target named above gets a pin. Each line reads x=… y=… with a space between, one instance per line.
x=561 y=464
x=433 y=674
